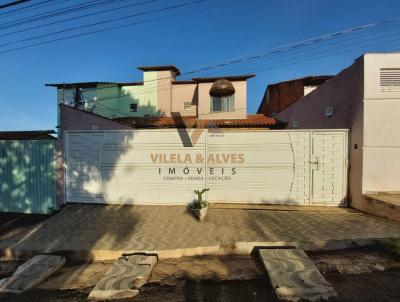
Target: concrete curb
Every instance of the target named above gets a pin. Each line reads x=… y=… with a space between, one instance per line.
x=224 y=248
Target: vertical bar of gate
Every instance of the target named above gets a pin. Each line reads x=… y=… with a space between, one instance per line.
x=206 y=162
x=310 y=174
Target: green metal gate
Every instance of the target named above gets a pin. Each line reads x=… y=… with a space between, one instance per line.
x=27 y=176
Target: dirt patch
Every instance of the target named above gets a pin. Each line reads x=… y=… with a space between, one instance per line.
x=369 y=287
x=355 y=274
x=355 y=261
x=209 y=290
x=167 y=271
x=41 y=295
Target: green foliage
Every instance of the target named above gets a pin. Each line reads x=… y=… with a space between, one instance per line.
x=199 y=203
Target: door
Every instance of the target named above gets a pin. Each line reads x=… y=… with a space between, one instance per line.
x=328 y=164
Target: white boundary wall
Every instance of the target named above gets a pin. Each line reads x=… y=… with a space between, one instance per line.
x=164 y=166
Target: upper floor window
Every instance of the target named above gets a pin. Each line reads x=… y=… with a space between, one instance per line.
x=222 y=94
x=222 y=103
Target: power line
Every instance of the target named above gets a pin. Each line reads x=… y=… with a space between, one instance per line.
x=106 y=29
x=357 y=40
x=275 y=51
x=76 y=18
x=13 y=3
x=150 y=89
x=99 y=23
x=58 y=12
x=30 y=7
x=103 y=22
x=283 y=48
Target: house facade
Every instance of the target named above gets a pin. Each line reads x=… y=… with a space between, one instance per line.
x=162 y=105
x=160 y=94
x=364 y=98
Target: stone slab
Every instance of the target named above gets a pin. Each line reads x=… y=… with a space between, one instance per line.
x=294 y=276
x=31 y=273
x=125 y=277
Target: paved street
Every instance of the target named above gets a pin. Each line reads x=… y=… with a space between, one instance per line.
x=94 y=228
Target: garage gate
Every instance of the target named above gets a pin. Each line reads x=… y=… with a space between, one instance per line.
x=165 y=166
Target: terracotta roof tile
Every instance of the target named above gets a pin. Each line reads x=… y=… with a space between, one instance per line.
x=252 y=120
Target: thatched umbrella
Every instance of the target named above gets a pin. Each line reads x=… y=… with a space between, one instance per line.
x=222 y=88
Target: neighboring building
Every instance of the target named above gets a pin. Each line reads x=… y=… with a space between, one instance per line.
x=281 y=95
x=27 y=161
x=162 y=95
x=365 y=98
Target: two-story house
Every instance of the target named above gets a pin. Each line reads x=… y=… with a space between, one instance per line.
x=160 y=100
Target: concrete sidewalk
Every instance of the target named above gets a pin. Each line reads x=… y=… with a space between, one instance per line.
x=103 y=232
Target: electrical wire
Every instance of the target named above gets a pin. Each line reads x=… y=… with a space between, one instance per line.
x=3 y=6
x=114 y=27
x=114 y=97
x=31 y=7
x=75 y=18
x=273 y=52
x=58 y=12
x=104 y=22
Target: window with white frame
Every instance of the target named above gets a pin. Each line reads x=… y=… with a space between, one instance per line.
x=187 y=106
x=223 y=104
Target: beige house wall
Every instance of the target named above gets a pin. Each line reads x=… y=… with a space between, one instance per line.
x=205 y=102
x=164 y=91
x=381 y=127
x=182 y=93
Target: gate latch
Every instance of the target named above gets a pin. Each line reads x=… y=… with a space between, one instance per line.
x=316 y=162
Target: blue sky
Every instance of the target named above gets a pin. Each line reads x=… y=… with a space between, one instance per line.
x=196 y=35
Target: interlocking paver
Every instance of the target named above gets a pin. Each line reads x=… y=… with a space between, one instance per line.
x=86 y=227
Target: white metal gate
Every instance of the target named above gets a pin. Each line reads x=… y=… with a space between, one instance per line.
x=165 y=166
